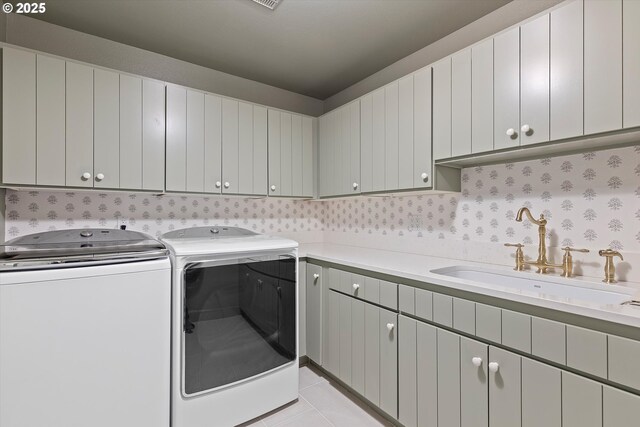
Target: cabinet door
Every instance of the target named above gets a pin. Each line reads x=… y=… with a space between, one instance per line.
x=18 y=117
x=372 y=353
x=506 y=89
x=427 y=375
x=631 y=63
x=357 y=345
x=231 y=142
x=619 y=408
x=541 y=395
x=407 y=372
x=106 y=135
x=260 y=160
x=422 y=160
x=567 y=69
x=366 y=143
x=274 y=152
x=534 y=81
x=344 y=372
x=343 y=151
x=388 y=362
x=331 y=347
x=353 y=178
x=405 y=132
x=602 y=65
x=213 y=143
x=176 y=138
x=391 y=136
x=195 y=141
x=314 y=313
x=153 y=135
x=308 y=165
x=461 y=103
x=326 y=165
x=296 y=155
x=130 y=132
x=285 y=154
x=482 y=97
x=79 y=125
x=474 y=387
x=448 y=379
x=581 y=402
x=378 y=138
x=442 y=109
x=50 y=114
x=302 y=309
x=242 y=181
x=505 y=392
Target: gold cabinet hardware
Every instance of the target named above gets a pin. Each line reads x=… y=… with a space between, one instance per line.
x=609 y=266
x=519 y=255
x=567 y=260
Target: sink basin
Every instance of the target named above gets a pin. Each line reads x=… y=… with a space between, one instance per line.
x=556 y=288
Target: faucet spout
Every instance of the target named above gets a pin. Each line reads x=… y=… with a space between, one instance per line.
x=541 y=222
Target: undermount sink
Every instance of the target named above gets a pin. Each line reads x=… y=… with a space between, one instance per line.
x=556 y=288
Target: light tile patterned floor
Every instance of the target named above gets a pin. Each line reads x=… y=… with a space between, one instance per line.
x=321 y=403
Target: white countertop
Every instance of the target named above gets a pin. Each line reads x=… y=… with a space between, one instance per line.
x=418 y=267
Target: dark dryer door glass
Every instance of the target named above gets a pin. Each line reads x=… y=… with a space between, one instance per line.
x=239 y=320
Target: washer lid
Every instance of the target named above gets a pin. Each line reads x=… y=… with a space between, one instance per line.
x=214 y=232
x=74 y=242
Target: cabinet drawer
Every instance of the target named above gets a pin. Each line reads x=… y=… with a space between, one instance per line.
x=587 y=351
x=548 y=340
x=424 y=304
x=516 y=330
x=464 y=316
x=443 y=309
x=354 y=285
x=489 y=323
x=389 y=294
x=335 y=279
x=406 y=299
x=623 y=355
x=372 y=290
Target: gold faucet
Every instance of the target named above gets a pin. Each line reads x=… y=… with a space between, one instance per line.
x=609 y=267
x=542 y=264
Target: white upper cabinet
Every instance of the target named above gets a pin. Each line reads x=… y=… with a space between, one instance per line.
x=461 y=103
x=106 y=128
x=482 y=97
x=79 y=125
x=602 y=65
x=290 y=158
x=631 y=62
x=567 y=68
x=422 y=158
x=534 y=81
x=506 y=89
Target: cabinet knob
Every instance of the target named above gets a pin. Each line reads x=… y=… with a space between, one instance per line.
x=494 y=367
x=100 y=177
x=355 y=185
x=218 y=184
x=316 y=276
x=390 y=326
x=226 y=184
x=525 y=128
x=424 y=176
x=511 y=132
x=273 y=188
x=477 y=361
x=356 y=286
x=86 y=176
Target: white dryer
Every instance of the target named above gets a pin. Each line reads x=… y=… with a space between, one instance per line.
x=234 y=325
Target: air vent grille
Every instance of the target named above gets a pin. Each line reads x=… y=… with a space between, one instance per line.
x=271 y=4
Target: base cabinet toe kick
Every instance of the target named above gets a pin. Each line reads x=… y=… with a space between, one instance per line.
x=422 y=357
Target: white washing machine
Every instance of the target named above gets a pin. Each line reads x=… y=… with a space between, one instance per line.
x=234 y=325
x=85 y=330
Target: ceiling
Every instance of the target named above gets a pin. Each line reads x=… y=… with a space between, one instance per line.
x=313 y=47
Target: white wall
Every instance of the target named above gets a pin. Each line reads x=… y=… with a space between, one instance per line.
x=494 y=22
x=43 y=36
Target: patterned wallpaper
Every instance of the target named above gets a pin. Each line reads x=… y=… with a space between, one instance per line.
x=591 y=200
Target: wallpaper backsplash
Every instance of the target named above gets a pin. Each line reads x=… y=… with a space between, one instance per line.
x=591 y=200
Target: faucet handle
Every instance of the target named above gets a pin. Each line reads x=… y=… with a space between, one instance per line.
x=567 y=260
x=569 y=249
x=519 y=255
x=610 y=253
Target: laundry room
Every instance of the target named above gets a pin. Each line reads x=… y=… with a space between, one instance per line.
x=320 y=213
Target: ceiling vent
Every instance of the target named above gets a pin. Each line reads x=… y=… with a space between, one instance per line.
x=270 y=4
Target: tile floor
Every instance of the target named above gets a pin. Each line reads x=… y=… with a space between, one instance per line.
x=322 y=403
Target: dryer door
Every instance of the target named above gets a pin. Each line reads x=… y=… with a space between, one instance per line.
x=239 y=320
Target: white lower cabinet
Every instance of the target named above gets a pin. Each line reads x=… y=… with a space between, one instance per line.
x=314 y=312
